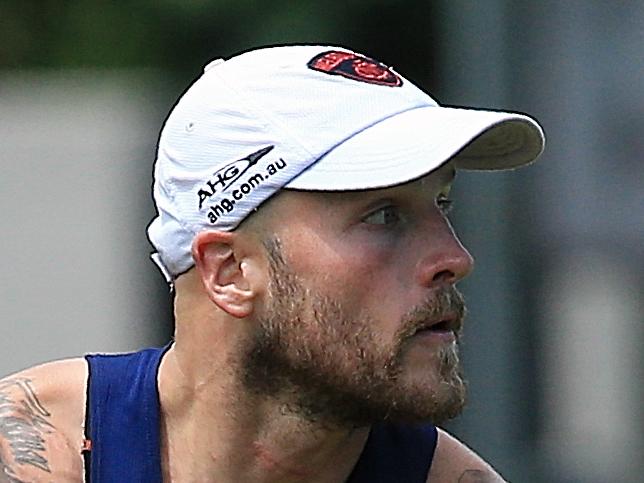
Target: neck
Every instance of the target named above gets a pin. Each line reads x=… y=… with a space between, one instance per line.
x=213 y=429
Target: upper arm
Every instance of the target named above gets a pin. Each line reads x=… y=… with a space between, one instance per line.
x=41 y=418
x=456 y=463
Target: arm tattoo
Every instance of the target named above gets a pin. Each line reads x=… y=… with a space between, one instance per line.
x=6 y=475
x=23 y=424
x=477 y=476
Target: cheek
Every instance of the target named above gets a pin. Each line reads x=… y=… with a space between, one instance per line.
x=372 y=280
x=352 y=267
x=381 y=264
x=364 y=271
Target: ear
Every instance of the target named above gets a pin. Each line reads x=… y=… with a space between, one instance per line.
x=223 y=272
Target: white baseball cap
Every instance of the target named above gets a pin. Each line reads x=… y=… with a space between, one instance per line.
x=308 y=117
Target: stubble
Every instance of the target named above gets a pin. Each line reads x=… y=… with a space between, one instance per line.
x=330 y=369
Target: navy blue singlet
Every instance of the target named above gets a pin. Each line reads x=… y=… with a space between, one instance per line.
x=122 y=423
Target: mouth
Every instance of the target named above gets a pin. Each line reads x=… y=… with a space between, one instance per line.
x=449 y=324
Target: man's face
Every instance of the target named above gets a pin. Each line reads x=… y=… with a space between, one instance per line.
x=362 y=320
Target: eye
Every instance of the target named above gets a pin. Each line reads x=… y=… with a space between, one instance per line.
x=386 y=215
x=444 y=204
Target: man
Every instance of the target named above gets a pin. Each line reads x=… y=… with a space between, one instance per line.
x=302 y=195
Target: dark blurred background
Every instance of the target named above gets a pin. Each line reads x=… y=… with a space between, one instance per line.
x=553 y=343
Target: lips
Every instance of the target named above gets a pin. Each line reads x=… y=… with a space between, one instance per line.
x=440 y=316
x=450 y=323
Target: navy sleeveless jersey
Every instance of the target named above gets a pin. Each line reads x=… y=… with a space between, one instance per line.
x=122 y=423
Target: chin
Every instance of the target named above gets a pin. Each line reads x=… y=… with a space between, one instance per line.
x=433 y=391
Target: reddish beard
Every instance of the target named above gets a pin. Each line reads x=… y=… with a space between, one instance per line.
x=329 y=368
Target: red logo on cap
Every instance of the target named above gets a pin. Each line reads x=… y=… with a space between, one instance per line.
x=356 y=67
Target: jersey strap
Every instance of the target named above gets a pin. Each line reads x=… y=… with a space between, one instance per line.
x=123 y=417
x=396 y=453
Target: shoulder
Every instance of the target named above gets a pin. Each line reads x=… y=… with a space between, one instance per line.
x=42 y=411
x=454 y=462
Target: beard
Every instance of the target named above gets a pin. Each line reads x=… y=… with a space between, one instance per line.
x=329 y=368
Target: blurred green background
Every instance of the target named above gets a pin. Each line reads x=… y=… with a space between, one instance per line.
x=180 y=35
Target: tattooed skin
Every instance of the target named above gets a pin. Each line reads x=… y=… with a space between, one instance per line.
x=23 y=423
x=6 y=475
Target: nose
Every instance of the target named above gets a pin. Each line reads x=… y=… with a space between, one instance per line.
x=445 y=260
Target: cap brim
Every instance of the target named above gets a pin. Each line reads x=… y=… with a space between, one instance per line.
x=413 y=143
